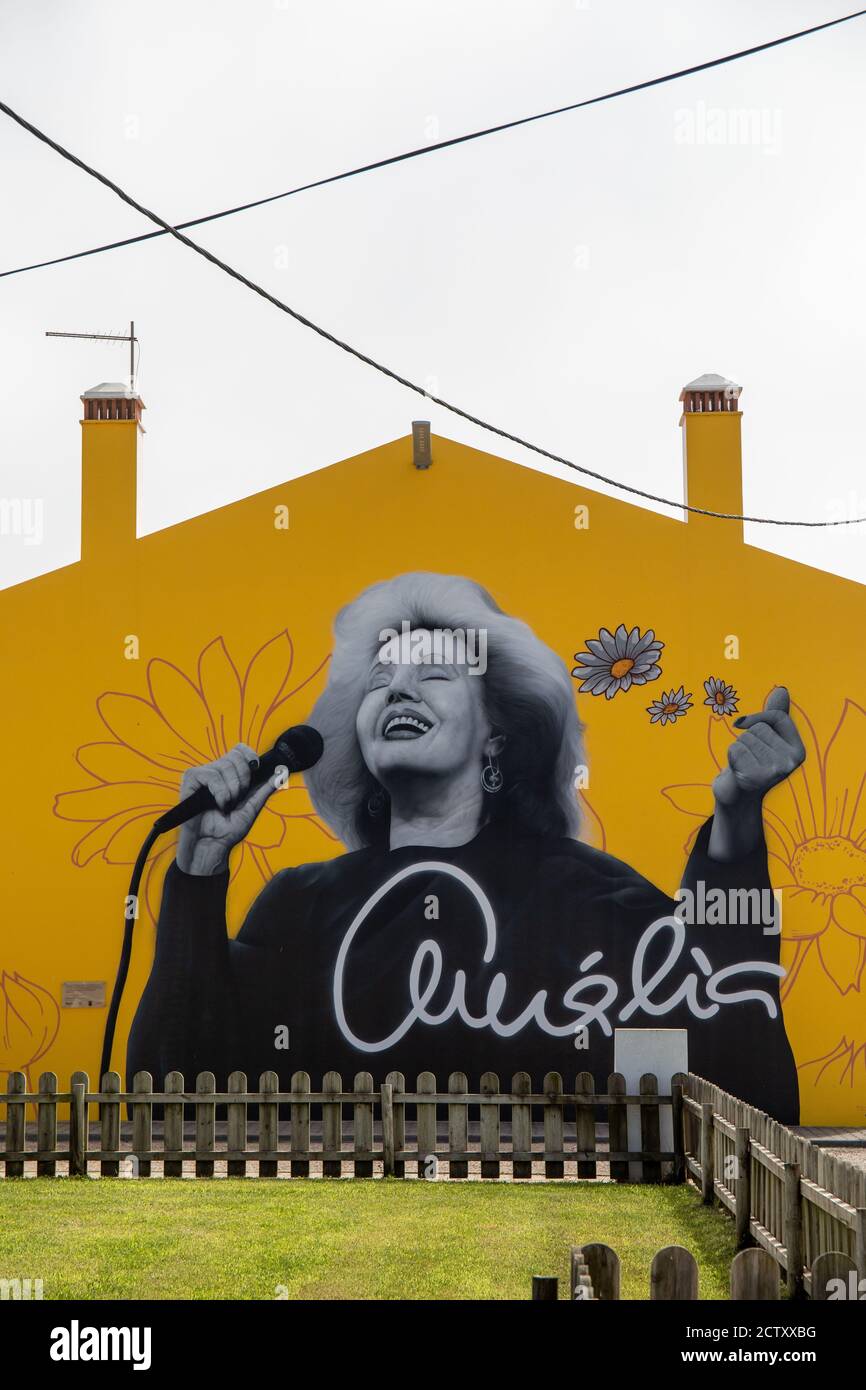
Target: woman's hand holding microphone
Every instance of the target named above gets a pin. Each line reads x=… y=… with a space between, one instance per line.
x=207 y=840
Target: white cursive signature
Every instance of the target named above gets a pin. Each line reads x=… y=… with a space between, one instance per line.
x=428 y=961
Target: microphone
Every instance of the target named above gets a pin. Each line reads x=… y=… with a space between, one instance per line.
x=295 y=750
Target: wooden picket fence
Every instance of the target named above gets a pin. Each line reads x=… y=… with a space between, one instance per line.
x=547 y=1130
x=789 y=1197
x=674 y=1276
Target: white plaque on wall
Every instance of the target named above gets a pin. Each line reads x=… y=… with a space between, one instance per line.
x=83 y=994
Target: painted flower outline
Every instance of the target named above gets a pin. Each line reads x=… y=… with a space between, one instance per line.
x=182 y=722
x=844 y=1064
x=29 y=1023
x=618 y=660
x=815 y=828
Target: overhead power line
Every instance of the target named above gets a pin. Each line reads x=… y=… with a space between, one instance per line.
x=443 y=145
x=379 y=366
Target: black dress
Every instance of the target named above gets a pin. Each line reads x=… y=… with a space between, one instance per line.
x=505 y=954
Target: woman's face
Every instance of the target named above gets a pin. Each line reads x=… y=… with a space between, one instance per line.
x=423 y=718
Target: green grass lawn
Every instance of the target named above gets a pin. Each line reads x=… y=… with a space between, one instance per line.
x=237 y=1239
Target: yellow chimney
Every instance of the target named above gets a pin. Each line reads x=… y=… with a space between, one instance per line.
x=712 y=449
x=109 y=450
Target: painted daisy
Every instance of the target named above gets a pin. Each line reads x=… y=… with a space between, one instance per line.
x=618 y=660
x=721 y=698
x=673 y=705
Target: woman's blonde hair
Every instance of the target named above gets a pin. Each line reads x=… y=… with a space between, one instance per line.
x=528 y=696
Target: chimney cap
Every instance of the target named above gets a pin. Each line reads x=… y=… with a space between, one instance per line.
x=711 y=381
x=111 y=390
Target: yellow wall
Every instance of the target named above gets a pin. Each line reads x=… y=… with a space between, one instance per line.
x=232 y=577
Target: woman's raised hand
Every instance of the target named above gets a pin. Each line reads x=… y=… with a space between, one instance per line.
x=207 y=840
x=767 y=751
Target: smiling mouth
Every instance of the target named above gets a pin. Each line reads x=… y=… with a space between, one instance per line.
x=403 y=726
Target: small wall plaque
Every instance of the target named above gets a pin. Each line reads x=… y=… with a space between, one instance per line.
x=83 y=994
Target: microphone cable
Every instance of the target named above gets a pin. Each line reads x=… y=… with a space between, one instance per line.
x=129 y=917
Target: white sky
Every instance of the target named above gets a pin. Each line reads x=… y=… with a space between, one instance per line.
x=564 y=280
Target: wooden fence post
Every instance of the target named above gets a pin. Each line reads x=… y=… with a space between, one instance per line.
x=860 y=1242
x=300 y=1119
x=521 y=1126
x=236 y=1125
x=754 y=1275
x=585 y=1126
x=109 y=1127
x=458 y=1125
x=269 y=1132
x=674 y=1275
x=743 y=1189
x=78 y=1126
x=397 y=1082
x=580 y=1283
x=204 y=1122
x=679 y=1122
x=490 y=1126
x=332 y=1124
x=617 y=1126
x=678 y=1111
x=825 y=1224
x=553 y=1127
x=834 y=1273
x=650 y=1127
x=425 y=1126
x=142 y=1123
x=172 y=1126
x=847 y=1185
x=46 y=1124
x=544 y=1289
x=793 y=1230
x=363 y=1125
x=387 y=1095
x=604 y=1271
x=708 y=1153
x=16 y=1121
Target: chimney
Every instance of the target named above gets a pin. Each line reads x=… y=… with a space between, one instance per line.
x=421 y=456
x=712 y=451
x=109 y=455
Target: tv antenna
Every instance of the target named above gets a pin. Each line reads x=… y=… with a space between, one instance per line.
x=109 y=338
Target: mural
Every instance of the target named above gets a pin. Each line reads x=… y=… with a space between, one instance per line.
x=467 y=926
x=570 y=895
